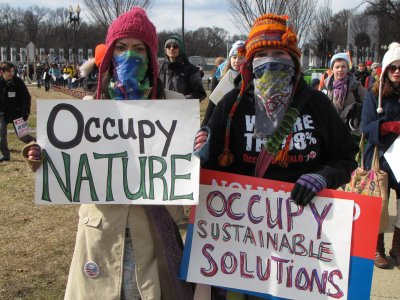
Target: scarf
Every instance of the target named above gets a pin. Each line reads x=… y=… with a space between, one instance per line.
x=339 y=93
x=273 y=86
x=129 y=80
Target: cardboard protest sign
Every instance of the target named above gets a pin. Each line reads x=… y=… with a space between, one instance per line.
x=247 y=235
x=224 y=86
x=117 y=152
x=391 y=156
x=21 y=127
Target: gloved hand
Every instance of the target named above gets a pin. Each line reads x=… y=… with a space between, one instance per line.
x=393 y=126
x=306 y=187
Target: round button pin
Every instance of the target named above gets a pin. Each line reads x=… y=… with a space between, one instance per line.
x=91 y=269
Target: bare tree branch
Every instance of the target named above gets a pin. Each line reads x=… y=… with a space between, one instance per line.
x=103 y=12
x=301 y=13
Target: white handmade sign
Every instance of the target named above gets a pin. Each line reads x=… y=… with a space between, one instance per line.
x=261 y=242
x=392 y=157
x=224 y=86
x=21 y=127
x=117 y=152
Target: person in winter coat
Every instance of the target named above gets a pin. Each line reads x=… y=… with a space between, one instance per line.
x=376 y=71
x=381 y=126
x=15 y=103
x=346 y=93
x=264 y=127
x=127 y=251
x=178 y=74
x=234 y=62
x=362 y=73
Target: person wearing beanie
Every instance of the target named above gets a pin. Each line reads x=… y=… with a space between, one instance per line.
x=345 y=92
x=362 y=73
x=380 y=124
x=260 y=127
x=369 y=82
x=127 y=251
x=178 y=74
x=233 y=63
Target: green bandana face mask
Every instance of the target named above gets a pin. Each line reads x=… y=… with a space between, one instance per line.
x=129 y=80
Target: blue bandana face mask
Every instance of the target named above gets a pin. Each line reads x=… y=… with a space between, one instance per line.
x=273 y=85
x=129 y=80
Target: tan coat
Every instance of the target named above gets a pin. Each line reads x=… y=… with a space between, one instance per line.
x=101 y=239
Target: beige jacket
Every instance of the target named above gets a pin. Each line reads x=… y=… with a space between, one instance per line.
x=101 y=239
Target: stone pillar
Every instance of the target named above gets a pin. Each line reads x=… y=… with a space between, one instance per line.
x=22 y=55
x=70 y=55
x=13 y=52
x=42 y=55
x=51 y=55
x=61 y=54
x=80 y=55
x=3 y=53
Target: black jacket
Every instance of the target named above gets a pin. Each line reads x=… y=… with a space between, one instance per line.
x=183 y=77
x=320 y=144
x=15 y=100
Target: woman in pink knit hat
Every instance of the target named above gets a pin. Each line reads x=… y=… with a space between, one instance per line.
x=126 y=251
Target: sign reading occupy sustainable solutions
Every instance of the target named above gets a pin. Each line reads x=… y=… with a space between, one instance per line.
x=117 y=152
x=264 y=258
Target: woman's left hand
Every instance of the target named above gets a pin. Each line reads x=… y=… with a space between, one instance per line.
x=200 y=139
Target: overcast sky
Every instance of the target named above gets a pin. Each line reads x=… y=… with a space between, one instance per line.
x=166 y=14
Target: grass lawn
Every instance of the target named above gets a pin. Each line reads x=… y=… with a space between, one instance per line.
x=37 y=241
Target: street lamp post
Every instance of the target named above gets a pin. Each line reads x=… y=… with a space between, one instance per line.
x=74 y=19
x=183 y=22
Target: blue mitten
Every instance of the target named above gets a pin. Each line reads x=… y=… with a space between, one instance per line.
x=306 y=187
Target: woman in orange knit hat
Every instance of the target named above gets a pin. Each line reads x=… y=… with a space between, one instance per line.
x=274 y=125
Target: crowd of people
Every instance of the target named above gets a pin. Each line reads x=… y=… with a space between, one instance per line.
x=134 y=252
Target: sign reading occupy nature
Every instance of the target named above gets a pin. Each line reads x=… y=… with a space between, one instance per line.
x=247 y=234
x=117 y=152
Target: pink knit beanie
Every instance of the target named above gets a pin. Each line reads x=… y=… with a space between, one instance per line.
x=132 y=24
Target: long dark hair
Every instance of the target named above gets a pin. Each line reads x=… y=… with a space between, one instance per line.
x=388 y=88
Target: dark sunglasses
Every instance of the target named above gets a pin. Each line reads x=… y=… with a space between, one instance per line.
x=172 y=46
x=393 y=68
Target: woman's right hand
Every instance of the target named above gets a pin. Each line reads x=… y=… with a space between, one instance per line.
x=34 y=152
x=33 y=155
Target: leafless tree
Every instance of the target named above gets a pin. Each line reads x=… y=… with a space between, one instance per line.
x=388 y=14
x=321 y=31
x=104 y=11
x=32 y=18
x=301 y=13
x=8 y=24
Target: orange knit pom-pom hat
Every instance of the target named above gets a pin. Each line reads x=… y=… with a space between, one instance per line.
x=272 y=30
